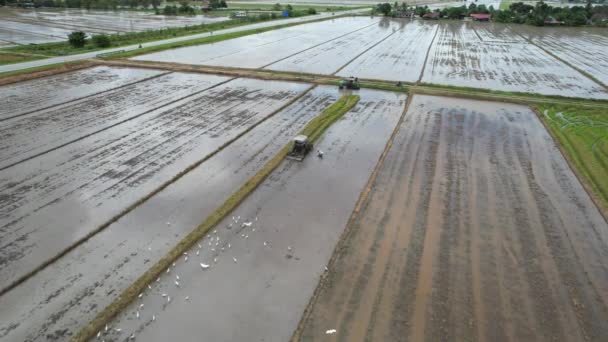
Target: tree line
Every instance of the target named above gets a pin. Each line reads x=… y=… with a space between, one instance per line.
x=518 y=12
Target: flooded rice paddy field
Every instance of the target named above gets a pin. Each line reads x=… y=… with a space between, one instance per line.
x=475 y=229
x=459 y=57
x=584 y=48
x=478 y=55
x=89 y=168
x=259 y=50
x=52 y=200
x=25 y=26
x=31 y=96
x=263 y=275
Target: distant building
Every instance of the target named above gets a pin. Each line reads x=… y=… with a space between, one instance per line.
x=480 y=16
x=553 y=21
x=404 y=14
x=431 y=15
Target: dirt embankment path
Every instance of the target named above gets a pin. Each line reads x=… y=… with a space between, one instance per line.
x=475 y=230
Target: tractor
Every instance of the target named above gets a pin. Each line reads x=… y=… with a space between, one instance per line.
x=349 y=83
x=300 y=148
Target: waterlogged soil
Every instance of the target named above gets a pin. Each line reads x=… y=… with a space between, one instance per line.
x=586 y=48
x=53 y=200
x=256 y=51
x=35 y=134
x=475 y=230
x=67 y=294
x=400 y=57
x=460 y=57
x=30 y=96
x=331 y=56
x=266 y=262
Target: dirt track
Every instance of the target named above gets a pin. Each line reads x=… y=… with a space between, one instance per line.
x=475 y=230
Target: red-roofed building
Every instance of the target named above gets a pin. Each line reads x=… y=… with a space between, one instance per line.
x=481 y=16
x=431 y=15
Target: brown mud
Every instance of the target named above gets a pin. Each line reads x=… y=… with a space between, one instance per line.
x=475 y=229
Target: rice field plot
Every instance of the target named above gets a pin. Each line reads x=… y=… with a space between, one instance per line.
x=459 y=58
x=296 y=217
x=584 y=48
x=400 y=57
x=28 y=136
x=475 y=228
x=55 y=302
x=11 y=37
x=37 y=24
x=497 y=33
x=256 y=51
x=330 y=57
x=55 y=199
x=30 y=96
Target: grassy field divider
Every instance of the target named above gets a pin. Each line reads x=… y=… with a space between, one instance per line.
x=21 y=75
x=314 y=129
x=581 y=135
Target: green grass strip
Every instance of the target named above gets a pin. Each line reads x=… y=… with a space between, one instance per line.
x=314 y=129
x=582 y=134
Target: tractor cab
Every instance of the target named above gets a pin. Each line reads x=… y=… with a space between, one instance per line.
x=300 y=148
x=349 y=83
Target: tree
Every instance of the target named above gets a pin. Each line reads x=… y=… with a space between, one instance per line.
x=185 y=9
x=170 y=10
x=384 y=8
x=420 y=11
x=289 y=7
x=77 y=39
x=101 y=40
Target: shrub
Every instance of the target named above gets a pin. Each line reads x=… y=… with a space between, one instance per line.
x=77 y=39
x=312 y=11
x=101 y=40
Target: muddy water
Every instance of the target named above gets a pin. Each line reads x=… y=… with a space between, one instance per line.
x=59 y=298
x=476 y=229
x=31 y=135
x=401 y=57
x=30 y=96
x=301 y=211
x=331 y=56
x=459 y=57
x=256 y=51
x=53 y=200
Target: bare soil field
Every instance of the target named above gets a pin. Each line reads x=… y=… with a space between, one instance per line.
x=475 y=229
x=261 y=276
x=51 y=201
x=458 y=57
x=24 y=26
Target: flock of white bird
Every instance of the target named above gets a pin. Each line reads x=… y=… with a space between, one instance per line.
x=213 y=241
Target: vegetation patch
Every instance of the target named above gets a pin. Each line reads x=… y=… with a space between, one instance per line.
x=313 y=129
x=583 y=135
